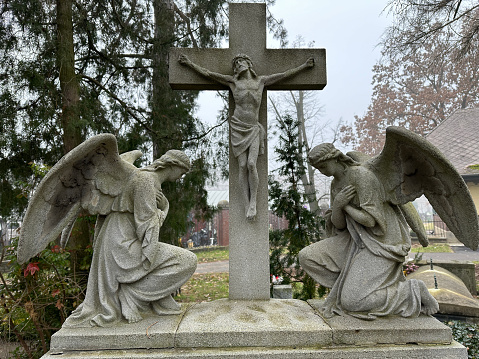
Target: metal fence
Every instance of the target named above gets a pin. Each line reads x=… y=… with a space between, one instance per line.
x=435 y=228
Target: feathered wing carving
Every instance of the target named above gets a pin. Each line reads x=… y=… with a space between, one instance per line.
x=408 y=209
x=129 y=157
x=409 y=166
x=71 y=185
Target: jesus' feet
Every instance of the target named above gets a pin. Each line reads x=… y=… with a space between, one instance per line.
x=429 y=304
x=251 y=213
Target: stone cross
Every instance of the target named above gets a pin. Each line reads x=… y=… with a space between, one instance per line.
x=249 y=277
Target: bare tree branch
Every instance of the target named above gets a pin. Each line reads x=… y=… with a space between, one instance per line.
x=187 y=21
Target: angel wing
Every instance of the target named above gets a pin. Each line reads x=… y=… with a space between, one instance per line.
x=68 y=187
x=408 y=209
x=409 y=166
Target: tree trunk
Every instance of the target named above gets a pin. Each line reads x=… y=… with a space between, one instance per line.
x=308 y=177
x=164 y=127
x=70 y=89
x=161 y=97
x=72 y=134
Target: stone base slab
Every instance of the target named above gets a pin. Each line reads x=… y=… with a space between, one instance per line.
x=451 y=351
x=259 y=329
x=226 y=323
x=348 y=330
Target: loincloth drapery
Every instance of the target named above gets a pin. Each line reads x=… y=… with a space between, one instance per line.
x=243 y=135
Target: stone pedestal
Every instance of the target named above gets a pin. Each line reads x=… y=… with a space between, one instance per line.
x=283 y=291
x=249 y=240
x=259 y=329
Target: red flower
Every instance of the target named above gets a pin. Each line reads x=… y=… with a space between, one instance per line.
x=56 y=249
x=31 y=268
x=59 y=304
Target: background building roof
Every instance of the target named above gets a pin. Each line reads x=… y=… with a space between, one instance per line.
x=458 y=139
x=214 y=197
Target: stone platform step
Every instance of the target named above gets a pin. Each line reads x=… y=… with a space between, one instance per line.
x=451 y=351
x=259 y=329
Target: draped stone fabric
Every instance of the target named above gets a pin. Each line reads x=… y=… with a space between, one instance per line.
x=361 y=265
x=130 y=267
x=244 y=134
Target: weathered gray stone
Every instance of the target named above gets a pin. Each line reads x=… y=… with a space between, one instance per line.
x=283 y=291
x=368 y=238
x=228 y=323
x=247 y=134
x=451 y=351
x=132 y=274
x=451 y=292
x=250 y=19
x=153 y=332
x=5 y=267
x=249 y=247
x=463 y=269
x=388 y=330
x=260 y=329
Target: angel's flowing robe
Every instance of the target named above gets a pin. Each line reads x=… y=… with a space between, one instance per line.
x=361 y=265
x=130 y=267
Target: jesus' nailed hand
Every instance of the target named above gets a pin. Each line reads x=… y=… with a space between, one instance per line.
x=247 y=134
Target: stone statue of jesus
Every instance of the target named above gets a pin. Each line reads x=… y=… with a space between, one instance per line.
x=247 y=134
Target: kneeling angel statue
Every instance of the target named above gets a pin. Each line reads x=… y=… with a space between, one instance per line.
x=369 y=224
x=132 y=274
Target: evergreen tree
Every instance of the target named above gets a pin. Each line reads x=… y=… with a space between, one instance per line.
x=73 y=69
x=288 y=201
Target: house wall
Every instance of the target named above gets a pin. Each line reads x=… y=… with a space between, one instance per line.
x=222 y=226
x=219 y=227
x=474 y=190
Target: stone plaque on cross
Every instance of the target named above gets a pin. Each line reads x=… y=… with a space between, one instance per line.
x=274 y=69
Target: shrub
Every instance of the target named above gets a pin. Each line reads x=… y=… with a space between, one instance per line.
x=466 y=334
x=38 y=296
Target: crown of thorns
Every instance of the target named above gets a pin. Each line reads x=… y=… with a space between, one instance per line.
x=241 y=56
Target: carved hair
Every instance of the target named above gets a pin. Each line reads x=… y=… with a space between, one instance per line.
x=327 y=151
x=248 y=60
x=169 y=159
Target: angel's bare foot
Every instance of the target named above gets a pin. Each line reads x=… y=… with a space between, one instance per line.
x=251 y=214
x=429 y=304
x=166 y=305
x=132 y=316
x=129 y=311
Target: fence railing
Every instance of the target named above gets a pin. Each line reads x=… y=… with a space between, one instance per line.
x=435 y=228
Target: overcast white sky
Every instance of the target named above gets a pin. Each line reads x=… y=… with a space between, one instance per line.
x=349 y=30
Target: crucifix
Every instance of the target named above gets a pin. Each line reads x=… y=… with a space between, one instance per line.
x=220 y=69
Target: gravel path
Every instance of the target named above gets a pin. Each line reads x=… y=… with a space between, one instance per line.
x=213 y=267
x=461 y=253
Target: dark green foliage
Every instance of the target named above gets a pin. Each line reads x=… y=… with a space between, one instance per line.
x=36 y=297
x=287 y=200
x=193 y=183
x=120 y=64
x=120 y=50
x=467 y=335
